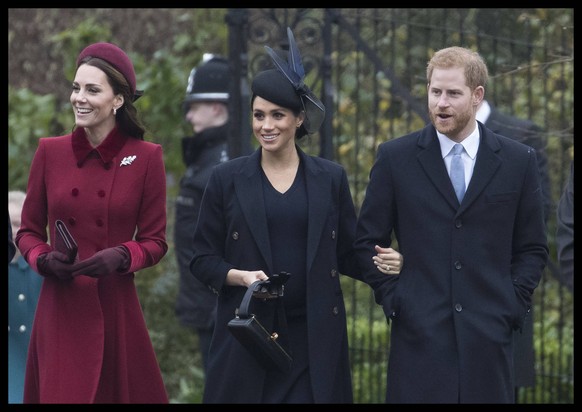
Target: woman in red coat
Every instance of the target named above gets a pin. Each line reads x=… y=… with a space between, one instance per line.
x=89 y=342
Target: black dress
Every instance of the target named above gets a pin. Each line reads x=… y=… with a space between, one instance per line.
x=287 y=219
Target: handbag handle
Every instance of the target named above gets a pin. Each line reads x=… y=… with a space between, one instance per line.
x=243 y=310
x=271 y=288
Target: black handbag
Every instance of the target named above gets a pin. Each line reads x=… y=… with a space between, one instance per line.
x=247 y=329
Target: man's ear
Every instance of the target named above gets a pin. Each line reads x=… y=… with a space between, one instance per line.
x=478 y=95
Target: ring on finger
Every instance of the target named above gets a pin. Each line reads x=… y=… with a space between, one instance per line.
x=388 y=268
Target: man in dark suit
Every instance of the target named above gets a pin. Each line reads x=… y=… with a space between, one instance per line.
x=529 y=133
x=474 y=252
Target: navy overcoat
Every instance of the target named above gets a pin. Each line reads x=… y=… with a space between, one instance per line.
x=232 y=233
x=469 y=270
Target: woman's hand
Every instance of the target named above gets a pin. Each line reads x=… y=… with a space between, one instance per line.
x=388 y=260
x=236 y=277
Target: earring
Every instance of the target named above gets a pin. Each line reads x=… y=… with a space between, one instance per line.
x=114 y=111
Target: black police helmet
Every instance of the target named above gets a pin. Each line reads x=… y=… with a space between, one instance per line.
x=209 y=81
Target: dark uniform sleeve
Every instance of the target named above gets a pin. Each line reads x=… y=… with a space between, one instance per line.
x=565 y=231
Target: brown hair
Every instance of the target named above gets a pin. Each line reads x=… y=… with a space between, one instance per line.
x=476 y=73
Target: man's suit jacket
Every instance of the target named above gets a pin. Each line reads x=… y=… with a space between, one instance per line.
x=469 y=271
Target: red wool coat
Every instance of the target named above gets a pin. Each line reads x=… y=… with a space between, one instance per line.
x=89 y=342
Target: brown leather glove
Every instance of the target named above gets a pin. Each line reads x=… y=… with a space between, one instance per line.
x=103 y=263
x=55 y=264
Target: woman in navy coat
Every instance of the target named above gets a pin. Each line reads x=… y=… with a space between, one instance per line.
x=279 y=210
x=89 y=342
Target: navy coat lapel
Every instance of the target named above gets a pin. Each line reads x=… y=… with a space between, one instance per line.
x=248 y=184
x=431 y=160
x=486 y=163
x=249 y=190
x=317 y=183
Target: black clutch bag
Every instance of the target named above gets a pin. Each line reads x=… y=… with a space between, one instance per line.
x=247 y=329
x=64 y=241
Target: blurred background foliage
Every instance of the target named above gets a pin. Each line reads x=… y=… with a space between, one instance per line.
x=164 y=45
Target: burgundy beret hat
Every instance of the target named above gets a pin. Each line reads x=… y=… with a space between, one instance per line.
x=114 y=56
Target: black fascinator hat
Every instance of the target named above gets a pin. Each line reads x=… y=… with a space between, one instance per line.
x=285 y=86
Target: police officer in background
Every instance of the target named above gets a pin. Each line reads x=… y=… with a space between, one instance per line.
x=206 y=107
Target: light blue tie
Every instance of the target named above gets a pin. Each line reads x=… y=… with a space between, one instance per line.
x=458 y=171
